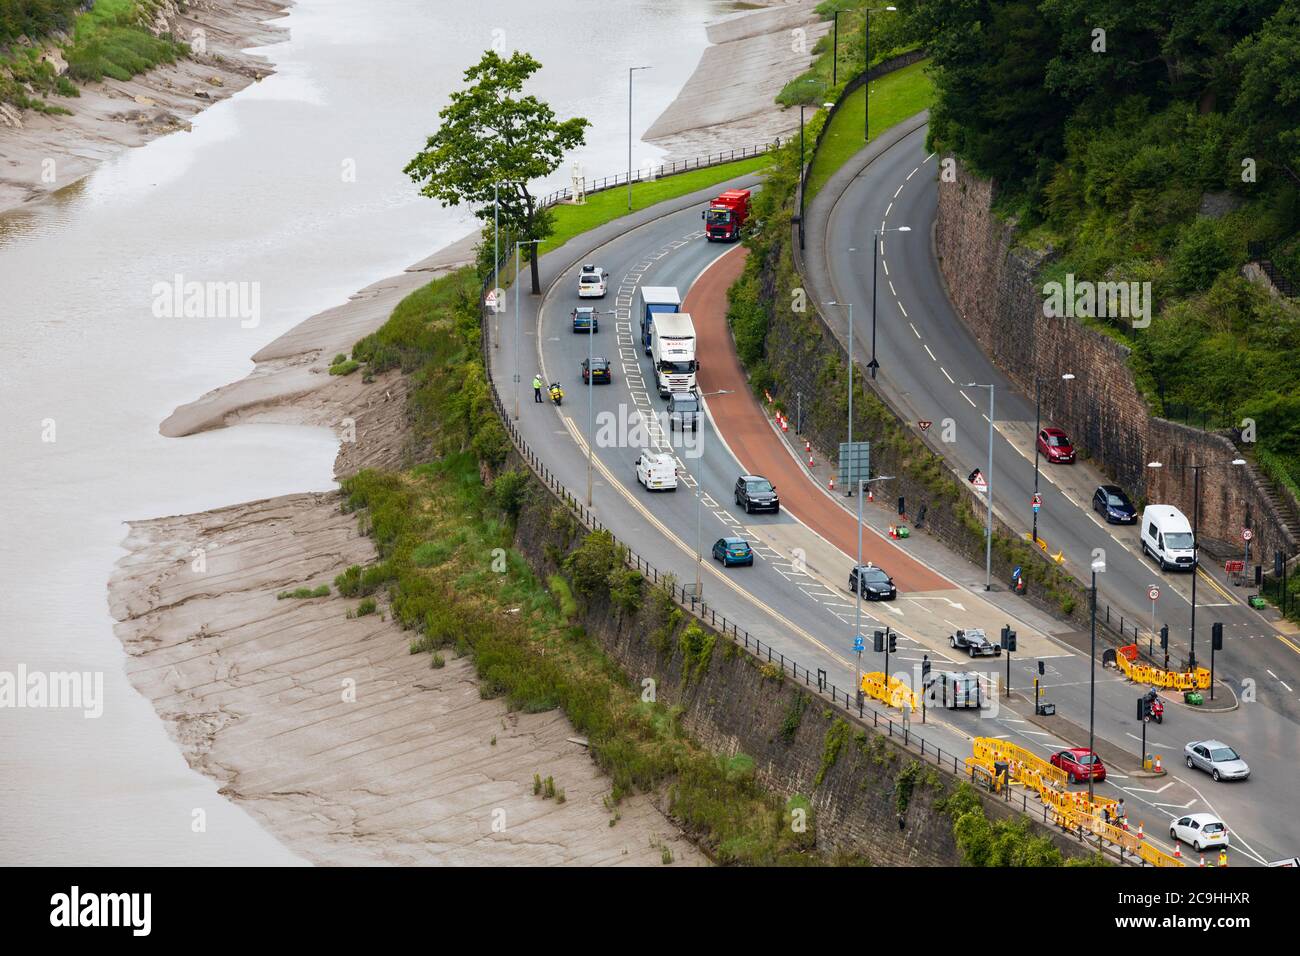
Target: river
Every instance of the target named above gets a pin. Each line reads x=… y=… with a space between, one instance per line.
x=256 y=193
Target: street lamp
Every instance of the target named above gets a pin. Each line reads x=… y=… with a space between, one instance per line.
x=866 y=69
x=802 y=179
x=591 y=401
x=630 y=71
x=857 y=574
x=496 y=260
x=1196 y=541
x=526 y=242
x=1038 y=424
x=1098 y=564
x=699 y=511
x=988 y=491
x=875 y=255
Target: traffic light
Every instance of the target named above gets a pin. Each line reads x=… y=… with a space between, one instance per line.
x=1008 y=638
x=1040 y=668
x=1216 y=636
x=1143 y=708
x=878 y=641
x=1164 y=637
x=925 y=667
x=893 y=641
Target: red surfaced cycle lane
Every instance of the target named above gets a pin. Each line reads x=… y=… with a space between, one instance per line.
x=744 y=426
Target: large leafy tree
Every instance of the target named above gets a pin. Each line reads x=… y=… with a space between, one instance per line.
x=492 y=134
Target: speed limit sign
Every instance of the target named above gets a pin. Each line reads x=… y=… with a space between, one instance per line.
x=1153 y=592
x=1247 y=534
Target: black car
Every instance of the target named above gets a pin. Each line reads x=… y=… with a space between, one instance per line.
x=683 y=411
x=1111 y=503
x=876 y=584
x=756 y=493
x=599 y=371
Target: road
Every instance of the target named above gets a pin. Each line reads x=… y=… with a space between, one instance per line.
x=794 y=598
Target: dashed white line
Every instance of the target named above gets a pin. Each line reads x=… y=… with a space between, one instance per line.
x=949 y=378
x=965 y=396
x=911 y=174
x=904 y=311
x=898 y=190
x=914 y=332
x=929 y=353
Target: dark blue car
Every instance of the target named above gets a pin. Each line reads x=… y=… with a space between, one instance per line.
x=1111 y=503
x=732 y=551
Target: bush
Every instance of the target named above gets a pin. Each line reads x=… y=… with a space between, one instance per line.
x=345 y=368
x=322 y=591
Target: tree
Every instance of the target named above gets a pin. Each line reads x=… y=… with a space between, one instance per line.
x=491 y=134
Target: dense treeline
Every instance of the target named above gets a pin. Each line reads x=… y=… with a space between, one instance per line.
x=34 y=18
x=1143 y=140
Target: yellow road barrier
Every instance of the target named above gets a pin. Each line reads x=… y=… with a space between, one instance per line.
x=896 y=693
x=1126 y=658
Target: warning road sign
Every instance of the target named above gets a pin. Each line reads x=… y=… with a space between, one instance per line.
x=923 y=424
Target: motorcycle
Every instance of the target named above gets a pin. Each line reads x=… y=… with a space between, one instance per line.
x=1156 y=707
x=557 y=393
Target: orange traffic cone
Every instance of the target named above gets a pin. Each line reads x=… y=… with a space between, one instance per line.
x=1141 y=835
x=1178 y=850
x=807 y=446
x=810 y=460
x=870 y=495
x=785 y=424
x=831 y=484
x=1202 y=861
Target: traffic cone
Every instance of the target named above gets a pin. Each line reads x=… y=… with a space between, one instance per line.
x=893 y=531
x=831 y=484
x=810 y=460
x=807 y=446
x=1141 y=835
x=768 y=396
x=1178 y=850
x=871 y=496
x=1158 y=767
x=1202 y=861
x=785 y=424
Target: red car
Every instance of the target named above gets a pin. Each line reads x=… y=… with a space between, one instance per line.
x=1080 y=763
x=1055 y=446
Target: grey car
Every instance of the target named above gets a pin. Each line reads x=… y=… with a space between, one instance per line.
x=1217 y=759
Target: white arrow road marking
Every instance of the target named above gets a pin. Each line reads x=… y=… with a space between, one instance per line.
x=1151 y=743
x=890 y=607
x=1145 y=790
x=1175 y=806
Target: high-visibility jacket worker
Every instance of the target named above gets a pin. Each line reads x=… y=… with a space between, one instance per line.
x=537 y=388
x=1223 y=857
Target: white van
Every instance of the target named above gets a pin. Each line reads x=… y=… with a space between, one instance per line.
x=1167 y=537
x=656 y=471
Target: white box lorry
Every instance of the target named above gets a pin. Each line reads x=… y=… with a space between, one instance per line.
x=656 y=299
x=672 y=349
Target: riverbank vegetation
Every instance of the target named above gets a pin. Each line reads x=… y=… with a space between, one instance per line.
x=892 y=32
x=110 y=39
x=1147 y=142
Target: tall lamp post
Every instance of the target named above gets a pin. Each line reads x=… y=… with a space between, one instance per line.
x=866 y=68
x=630 y=71
x=1098 y=564
x=1038 y=425
x=875 y=256
x=988 y=492
x=1196 y=541
x=526 y=242
x=591 y=400
x=699 y=512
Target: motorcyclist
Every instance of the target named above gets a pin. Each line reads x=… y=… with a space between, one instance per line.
x=557 y=392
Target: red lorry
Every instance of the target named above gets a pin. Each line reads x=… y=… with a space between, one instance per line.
x=726 y=214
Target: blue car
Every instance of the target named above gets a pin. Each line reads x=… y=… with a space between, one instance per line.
x=732 y=551
x=1111 y=503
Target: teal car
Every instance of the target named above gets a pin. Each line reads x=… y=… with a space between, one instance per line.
x=584 y=320
x=732 y=551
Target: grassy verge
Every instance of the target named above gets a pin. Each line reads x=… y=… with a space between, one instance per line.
x=894 y=97
x=112 y=39
x=834 y=65
x=606 y=206
x=447 y=558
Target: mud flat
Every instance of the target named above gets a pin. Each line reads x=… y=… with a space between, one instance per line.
x=40 y=154
x=730 y=98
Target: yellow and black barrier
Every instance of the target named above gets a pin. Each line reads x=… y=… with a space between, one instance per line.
x=1127 y=660
x=896 y=693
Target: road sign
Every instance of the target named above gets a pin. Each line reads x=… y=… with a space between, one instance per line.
x=1015 y=575
x=1247 y=534
x=1036 y=500
x=858 y=644
x=855 y=462
x=1153 y=593
x=979 y=482
x=923 y=424
x=1036 y=507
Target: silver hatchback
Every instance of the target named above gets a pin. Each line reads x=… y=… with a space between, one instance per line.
x=1217 y=759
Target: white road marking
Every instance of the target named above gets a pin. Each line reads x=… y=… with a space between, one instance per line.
x=947 y=376
x=933 y=359
x=964 y=395
x=914 y=332
x=899 y=189
x=911 y=174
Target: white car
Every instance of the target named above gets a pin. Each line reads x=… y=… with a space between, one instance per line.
x=656 y=471
x=1201 y=830
x=592 y=282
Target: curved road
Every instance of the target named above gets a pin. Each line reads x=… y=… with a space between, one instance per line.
x=794 y=597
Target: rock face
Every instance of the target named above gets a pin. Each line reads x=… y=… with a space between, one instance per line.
x=996 y=290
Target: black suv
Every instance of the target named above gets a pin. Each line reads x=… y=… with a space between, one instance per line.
x=876 y=584
x=756 y=493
